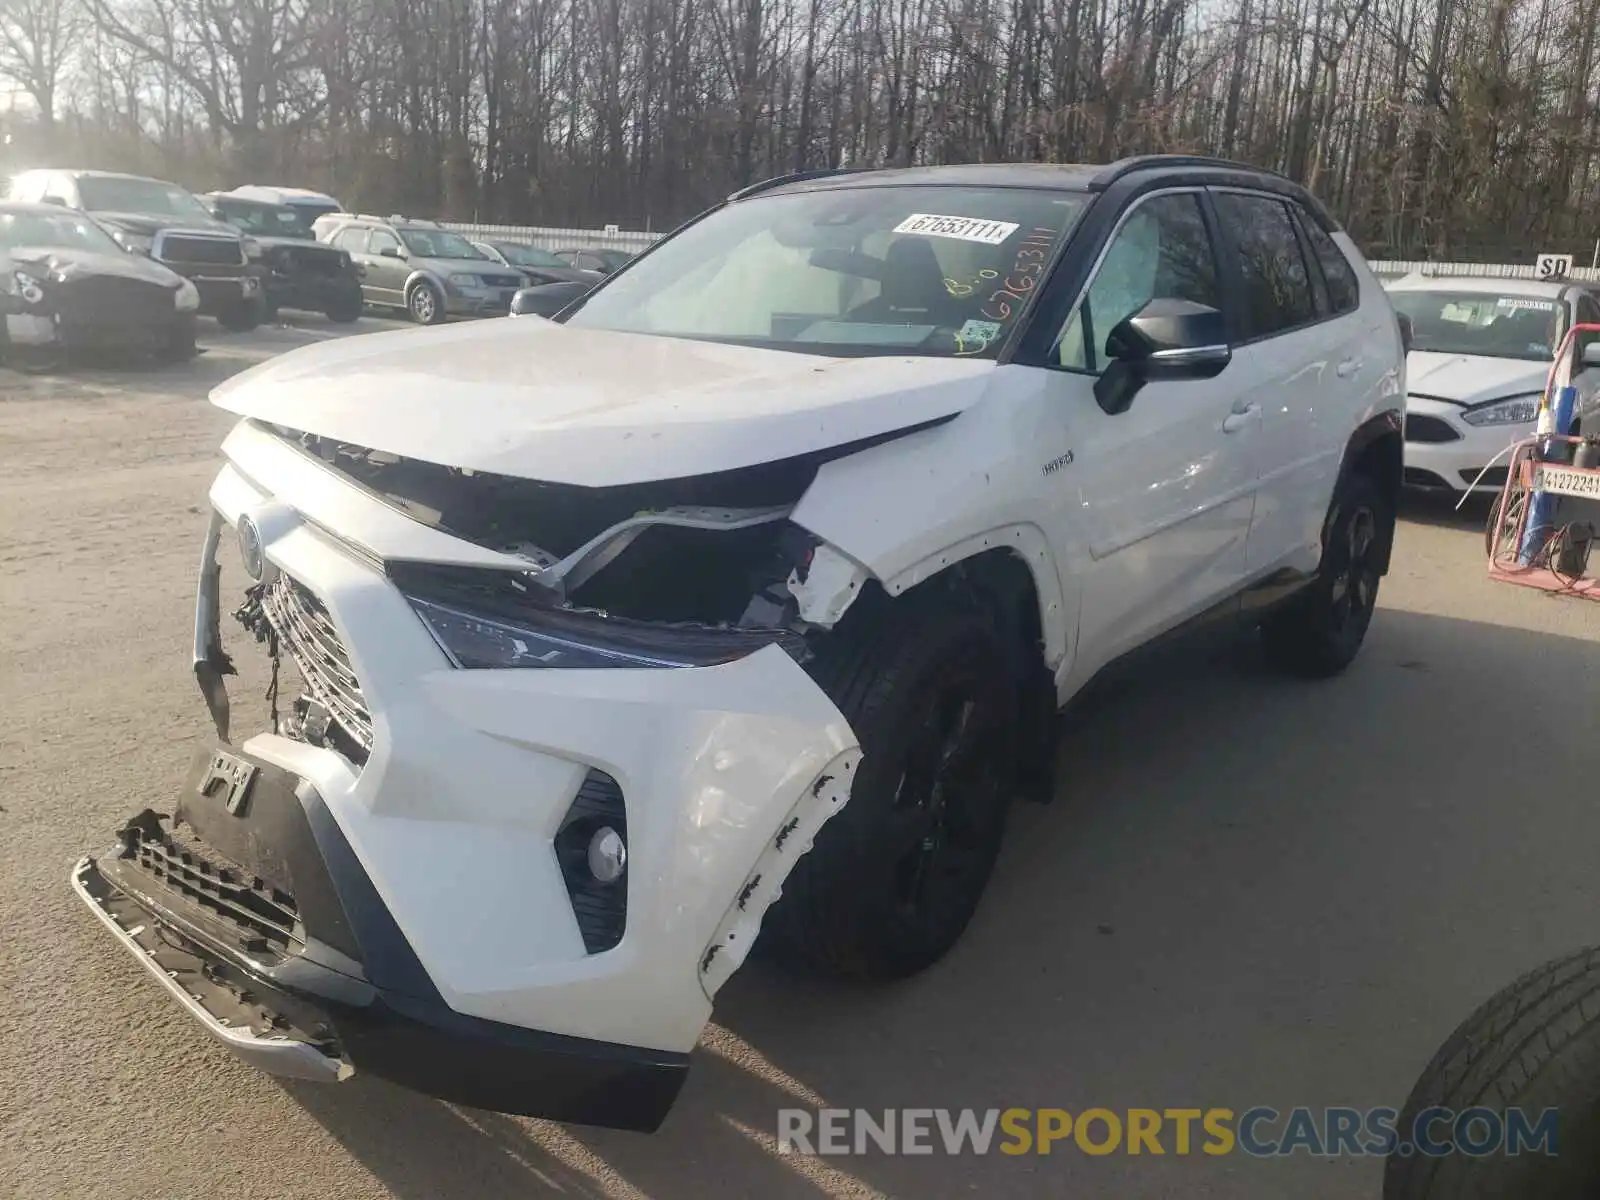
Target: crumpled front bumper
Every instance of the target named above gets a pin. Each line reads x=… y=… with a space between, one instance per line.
x=447 y=827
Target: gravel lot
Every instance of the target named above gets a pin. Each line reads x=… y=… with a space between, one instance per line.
x=1249 y=892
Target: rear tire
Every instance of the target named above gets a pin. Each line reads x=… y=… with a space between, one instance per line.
x=1320 y=631
x=344 y=312
x=896 y=874
x=1532 y=1046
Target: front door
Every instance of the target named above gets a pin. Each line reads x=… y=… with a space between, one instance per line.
x=1160 y=495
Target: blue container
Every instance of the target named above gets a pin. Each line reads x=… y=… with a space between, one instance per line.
x=1541 y=523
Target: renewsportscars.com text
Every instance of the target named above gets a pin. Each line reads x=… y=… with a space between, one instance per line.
x=1260 y=1132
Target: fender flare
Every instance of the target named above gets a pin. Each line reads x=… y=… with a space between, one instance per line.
x=423 y=275
x=1029 y=544
x=1389 y=423
x=836 y=578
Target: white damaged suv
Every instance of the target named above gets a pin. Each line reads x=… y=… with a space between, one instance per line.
x=748 y=588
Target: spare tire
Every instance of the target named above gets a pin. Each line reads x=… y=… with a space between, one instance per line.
x=1532 y=1047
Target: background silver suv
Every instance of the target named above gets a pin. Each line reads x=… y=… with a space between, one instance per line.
x=431 y=272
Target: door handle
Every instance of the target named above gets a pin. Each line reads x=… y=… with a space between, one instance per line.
x=1239 y=418
x=1348 y=367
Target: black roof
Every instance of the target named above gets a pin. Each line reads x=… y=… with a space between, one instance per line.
x=1067 y=176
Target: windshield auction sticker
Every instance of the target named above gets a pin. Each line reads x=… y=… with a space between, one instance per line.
x=1522 y=302
x=965 y=229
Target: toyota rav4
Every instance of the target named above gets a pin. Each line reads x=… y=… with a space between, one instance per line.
x=740 y=599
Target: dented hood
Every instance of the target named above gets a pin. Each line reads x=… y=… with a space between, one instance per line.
x=530 y=398
x=68 y=262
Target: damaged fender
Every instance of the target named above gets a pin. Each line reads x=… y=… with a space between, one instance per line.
x=906 y=510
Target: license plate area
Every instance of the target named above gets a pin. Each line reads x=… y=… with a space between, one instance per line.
x=228 y=778
x=1567 y=481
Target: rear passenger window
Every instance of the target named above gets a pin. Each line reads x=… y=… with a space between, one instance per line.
x=1343 y=292
x=352 y=240
x=1277 y=286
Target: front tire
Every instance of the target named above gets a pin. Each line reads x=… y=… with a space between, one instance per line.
x=1533 y=1046
x=180 y=345
x=896 y=875
x=1320 y=631
x=241 y=316
x=425 y=304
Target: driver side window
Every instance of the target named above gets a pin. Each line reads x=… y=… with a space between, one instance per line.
x=380 y=240
x=1162 y=251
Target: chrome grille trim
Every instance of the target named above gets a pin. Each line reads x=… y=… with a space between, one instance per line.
x=307 y=632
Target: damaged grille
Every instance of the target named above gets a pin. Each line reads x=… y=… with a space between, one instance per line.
x=304 y=629
x=309 y=261
x=201 y=250
x=102 y=301
x=264 y=917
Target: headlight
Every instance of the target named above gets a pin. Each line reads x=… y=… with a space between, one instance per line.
x=252 y=248
x=187 y=297
x=29 y=288
x=561 y=638
x=133 y=243
x=1513 y=410
x=464 y=280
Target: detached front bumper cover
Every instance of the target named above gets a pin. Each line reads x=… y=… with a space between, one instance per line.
x=305 y=1007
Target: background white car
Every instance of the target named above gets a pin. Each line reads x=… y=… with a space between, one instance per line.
x=1481 y=352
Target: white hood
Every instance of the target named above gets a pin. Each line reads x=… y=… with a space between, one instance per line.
x=1471 y=378
x=527 y=397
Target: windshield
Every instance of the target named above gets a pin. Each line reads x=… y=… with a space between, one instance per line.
x=64 y=230
x=1485 y=323
x=858 y=270
x=438 y=243
x=109 y=194
x=268 y=220
x=528 y=256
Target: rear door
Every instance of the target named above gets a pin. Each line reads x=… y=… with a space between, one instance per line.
x=1302 y=365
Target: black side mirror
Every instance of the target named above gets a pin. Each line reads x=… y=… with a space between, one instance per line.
x=1166 y=339
x=1407 y=332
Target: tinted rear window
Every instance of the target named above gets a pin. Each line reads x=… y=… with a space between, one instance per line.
x=1277 y=285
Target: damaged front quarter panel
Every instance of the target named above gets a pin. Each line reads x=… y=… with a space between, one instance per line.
x=827 y=585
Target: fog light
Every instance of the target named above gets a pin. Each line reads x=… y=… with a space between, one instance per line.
x=608 y=855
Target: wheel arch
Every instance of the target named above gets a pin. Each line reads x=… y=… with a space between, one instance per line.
x=1376 y=449
x=423 y=275
x=1008 y=575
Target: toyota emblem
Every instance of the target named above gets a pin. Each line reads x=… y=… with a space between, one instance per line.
x=255 y=559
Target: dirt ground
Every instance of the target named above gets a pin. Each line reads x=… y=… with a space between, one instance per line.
x=1250 y=891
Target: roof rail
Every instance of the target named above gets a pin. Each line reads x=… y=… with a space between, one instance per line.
x=1150 y=162
x=794 y=177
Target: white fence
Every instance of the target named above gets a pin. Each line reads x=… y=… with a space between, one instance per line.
x=1389 y=268
x=633 y=241
x=549 y=238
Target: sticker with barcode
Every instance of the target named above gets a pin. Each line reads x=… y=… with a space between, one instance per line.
x=966 y=229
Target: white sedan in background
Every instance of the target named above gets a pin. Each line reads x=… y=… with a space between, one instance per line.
x=1480 y=353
